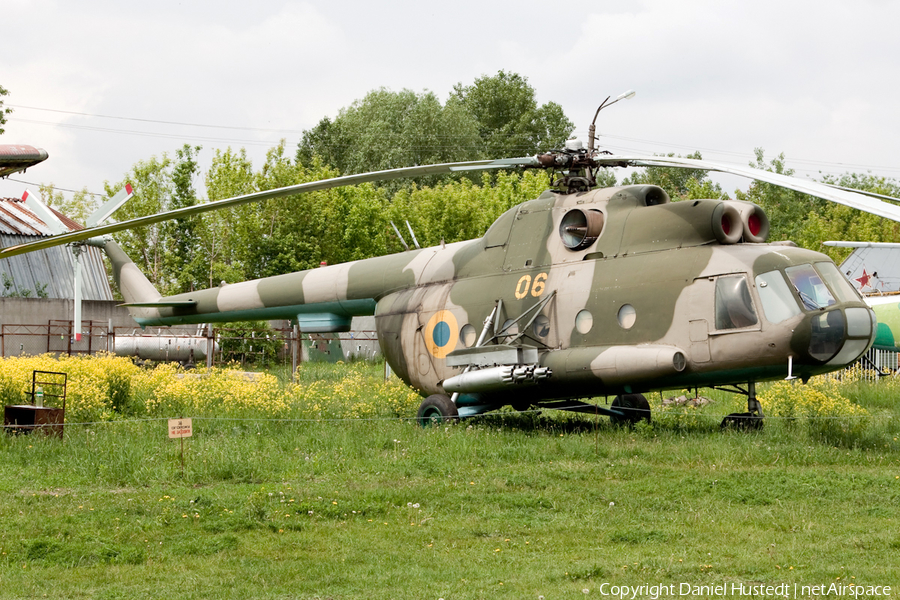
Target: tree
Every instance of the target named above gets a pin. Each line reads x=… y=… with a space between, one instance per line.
x=230 y=174
x=510 y=123
x=181 y=258
x=152 y=183
x=839 y=222
x=495 y=117
x=387 y=130
x=4 y=111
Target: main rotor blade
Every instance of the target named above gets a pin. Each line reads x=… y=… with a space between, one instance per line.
x=862 y=244
x=311 y=186
x=813 y=188
x=867 y=193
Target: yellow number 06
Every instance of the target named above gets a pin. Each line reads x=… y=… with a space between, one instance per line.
x=524 y=285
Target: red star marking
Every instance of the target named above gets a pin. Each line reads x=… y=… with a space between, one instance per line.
x=864 y=280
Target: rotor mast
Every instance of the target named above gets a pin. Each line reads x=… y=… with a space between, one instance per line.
x=575 y=162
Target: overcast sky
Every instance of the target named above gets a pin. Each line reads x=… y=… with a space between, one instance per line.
x=97 y=83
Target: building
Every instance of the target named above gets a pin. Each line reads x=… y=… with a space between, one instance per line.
x=46 y=273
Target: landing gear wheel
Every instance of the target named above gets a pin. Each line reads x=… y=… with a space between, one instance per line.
x=745 y=421
x=521 y=405
x=635 y=407
x=436 y=409
x=751 y=420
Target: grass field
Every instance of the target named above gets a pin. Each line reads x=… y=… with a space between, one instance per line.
x=503 y=506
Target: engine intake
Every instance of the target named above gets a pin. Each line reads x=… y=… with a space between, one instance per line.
x=580 y=228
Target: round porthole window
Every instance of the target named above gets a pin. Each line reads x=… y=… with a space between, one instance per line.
x=627 y=316
x=584 y=321
x=510 y=328
x=541 y=326
x=468 y=335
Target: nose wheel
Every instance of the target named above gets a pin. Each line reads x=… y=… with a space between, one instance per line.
x=750 y=420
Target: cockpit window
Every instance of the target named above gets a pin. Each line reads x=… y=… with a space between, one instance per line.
x=734 y=308
x=812 y=290
x=835 y=280
x=777 y=300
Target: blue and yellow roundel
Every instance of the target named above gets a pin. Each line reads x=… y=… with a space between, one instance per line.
x=441 y=334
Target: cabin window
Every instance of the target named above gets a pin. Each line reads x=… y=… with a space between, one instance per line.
x=626 y=316
x=777 y=301
x=510 y=329
x=541 y=326
x=584 y=321
x=809 y=285
x=734 y=307
x=468 y=335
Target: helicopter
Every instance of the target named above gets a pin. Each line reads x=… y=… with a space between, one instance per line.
x=583 y=292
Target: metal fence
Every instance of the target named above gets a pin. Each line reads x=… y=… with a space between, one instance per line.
x=877 y=363
x=55 y=337
x=247 y=347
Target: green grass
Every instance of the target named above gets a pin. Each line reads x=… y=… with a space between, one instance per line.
x=508 y=506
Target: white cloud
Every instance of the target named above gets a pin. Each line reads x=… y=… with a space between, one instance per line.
x=812 y=79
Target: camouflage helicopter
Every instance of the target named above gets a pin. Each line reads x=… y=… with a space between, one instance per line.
x=580 y=293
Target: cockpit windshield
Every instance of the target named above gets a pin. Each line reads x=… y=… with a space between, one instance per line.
x=809 y=285
x=818 y=286
x=836 y=281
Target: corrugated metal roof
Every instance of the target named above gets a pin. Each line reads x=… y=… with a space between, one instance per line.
x=17 y=219
x=52 y=269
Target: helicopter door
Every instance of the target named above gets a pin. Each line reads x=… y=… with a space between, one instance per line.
x=528 y=239
x=735 y=326
x=701 y=309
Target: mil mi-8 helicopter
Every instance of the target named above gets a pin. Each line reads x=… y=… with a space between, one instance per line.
x=580 y=293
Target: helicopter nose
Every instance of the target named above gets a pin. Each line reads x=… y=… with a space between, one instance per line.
x=839 y=337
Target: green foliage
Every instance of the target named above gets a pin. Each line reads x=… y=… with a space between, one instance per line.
x=147 y=246
x=4 y=110
x=839 y=222
x=276 y=236
x=249 y=343
x=461 y=210
x=386 y=130
x=492 y=118
x=510 y=123
x=512 y=506
x=183 y=258
x=11 y=291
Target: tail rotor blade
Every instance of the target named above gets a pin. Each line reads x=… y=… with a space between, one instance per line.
x=36 y=204
x=111 y=206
